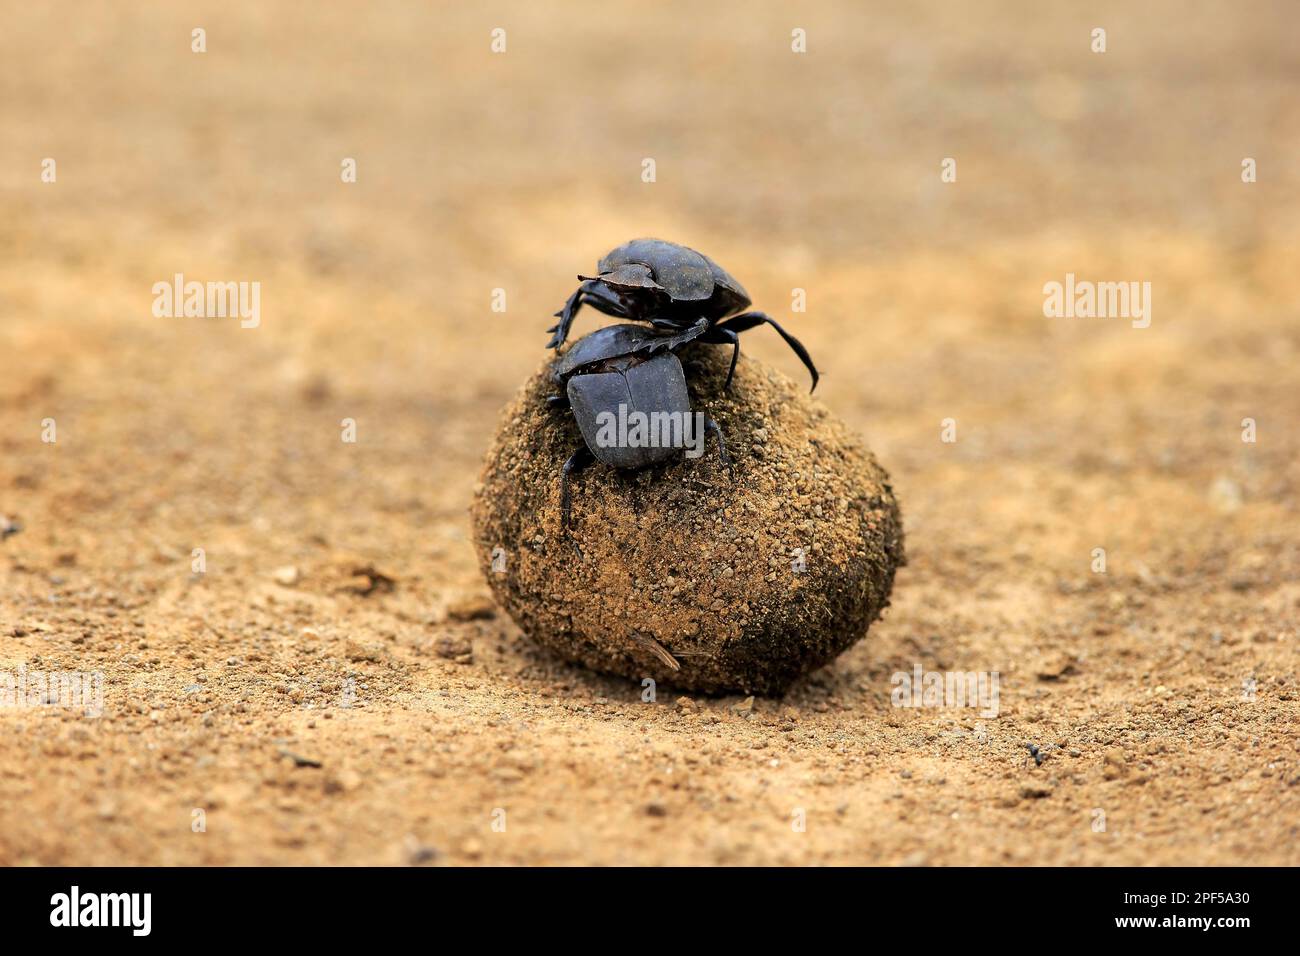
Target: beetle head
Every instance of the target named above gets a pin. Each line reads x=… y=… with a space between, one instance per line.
x=630 y=289
x=633 y=275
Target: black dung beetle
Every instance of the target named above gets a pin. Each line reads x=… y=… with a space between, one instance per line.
x=627 y=390
x=683 y=294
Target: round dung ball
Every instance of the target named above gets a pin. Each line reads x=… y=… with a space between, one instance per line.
x=694 y=574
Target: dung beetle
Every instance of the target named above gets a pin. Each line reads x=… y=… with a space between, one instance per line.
x=627 y=390
x=683 y=294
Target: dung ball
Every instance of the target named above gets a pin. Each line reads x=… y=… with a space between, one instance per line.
x=692 y=573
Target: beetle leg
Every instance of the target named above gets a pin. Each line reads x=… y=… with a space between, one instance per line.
x=700 y=327
x=748 y=320
x=673 y=326
x=679 y=337
x=592 y=292
x=721 y=335
x=558 y=400
x=579 y=460
x=565 y=315
x=712 y=426
x=605 y=302
x=668 y=327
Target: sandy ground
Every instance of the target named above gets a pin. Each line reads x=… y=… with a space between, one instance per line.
x=312 y=696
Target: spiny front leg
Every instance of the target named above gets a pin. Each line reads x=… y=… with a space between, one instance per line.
x=676 y=336
x=592 y=292
x=565 y=315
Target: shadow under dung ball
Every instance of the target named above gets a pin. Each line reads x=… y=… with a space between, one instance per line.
x=693 y=575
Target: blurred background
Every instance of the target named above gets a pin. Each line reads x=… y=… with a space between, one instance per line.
x=516 y=170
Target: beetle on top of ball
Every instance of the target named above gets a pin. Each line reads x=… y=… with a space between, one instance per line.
x=685 y=297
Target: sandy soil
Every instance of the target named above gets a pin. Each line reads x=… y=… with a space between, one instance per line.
x=327 y=689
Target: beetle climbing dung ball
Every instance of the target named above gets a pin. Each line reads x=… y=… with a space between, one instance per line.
x=683 y=294
x=693 y=572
